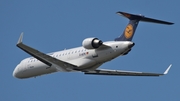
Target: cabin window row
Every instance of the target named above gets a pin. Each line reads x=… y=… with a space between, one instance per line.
x=68 y=53
x=63 y=54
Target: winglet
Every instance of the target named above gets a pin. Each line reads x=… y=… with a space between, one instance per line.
x=167 y=70
x=20 y=38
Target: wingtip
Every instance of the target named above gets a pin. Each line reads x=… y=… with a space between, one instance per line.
x=167 y=70
x=20 y=38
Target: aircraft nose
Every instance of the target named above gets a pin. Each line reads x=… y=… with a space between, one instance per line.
x=16 y=72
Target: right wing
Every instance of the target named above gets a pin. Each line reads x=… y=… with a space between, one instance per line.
x=124 y=73
x=48 y=60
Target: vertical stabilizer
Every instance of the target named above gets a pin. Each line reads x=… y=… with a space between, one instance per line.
x=133 y=23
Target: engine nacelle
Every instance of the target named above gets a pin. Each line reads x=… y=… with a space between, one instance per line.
x=91 y=43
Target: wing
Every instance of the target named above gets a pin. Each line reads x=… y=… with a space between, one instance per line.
x=48 y=60
x=124 y=73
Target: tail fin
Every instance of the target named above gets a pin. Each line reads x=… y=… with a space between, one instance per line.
x=133 y=23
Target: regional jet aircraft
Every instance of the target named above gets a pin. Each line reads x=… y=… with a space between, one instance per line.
x=87 y=58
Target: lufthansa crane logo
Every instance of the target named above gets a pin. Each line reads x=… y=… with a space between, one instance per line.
x=128 y=31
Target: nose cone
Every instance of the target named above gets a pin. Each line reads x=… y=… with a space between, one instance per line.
x=16 y=73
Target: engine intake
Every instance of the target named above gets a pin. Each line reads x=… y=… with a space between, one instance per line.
x=91 y=43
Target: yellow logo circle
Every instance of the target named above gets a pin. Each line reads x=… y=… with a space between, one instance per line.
x=128 y=31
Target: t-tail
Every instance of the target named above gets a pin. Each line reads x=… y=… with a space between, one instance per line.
x=133 y=23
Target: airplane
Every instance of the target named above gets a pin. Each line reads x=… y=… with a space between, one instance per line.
x=87 y=58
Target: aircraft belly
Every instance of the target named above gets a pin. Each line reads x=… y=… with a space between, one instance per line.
x=83 y=63
x=37 y=70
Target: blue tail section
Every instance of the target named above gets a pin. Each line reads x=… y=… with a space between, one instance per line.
x=133 y=23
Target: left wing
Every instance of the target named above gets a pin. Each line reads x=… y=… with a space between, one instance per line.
x=124 y=73
x=48 y=60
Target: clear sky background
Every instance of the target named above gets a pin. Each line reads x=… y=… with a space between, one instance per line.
x=55 y=25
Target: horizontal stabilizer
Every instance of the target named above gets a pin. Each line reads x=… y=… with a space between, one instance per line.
x=143 y=18
x=133 y=23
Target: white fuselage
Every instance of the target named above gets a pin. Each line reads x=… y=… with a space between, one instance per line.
x=84 y=59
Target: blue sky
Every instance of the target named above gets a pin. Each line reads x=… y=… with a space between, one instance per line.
x=55 y=25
